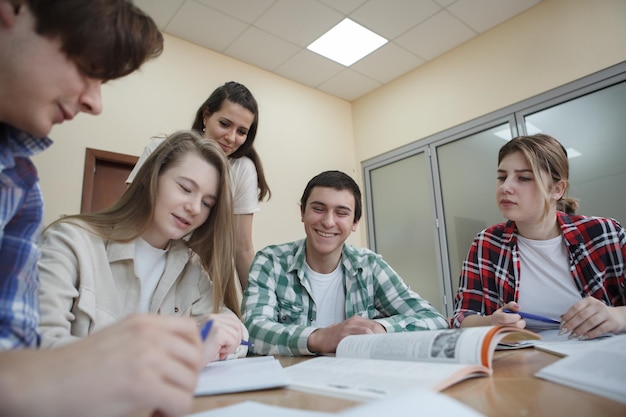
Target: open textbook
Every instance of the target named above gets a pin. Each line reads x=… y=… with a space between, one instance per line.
x=600 y=370
x=376 y=365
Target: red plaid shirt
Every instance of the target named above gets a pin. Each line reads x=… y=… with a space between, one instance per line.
x=491 y=272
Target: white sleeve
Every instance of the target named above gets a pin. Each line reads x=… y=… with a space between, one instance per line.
x=245 y=186
x=155 y=141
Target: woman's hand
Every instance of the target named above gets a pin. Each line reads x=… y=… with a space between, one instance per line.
x=500 y=318
x=590 y=318
x=224 y=338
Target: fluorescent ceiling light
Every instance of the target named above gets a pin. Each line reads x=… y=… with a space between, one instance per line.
x=572 y=153
x=347 y=42
x=505 y=133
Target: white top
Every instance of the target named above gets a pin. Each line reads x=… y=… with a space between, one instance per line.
x=328 y=295
x=546 y=284
x=149 y=266
x=244 y=179
x=245 y=186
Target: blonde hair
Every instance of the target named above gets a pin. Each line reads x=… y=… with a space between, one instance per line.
x=544 y=153
x=213 y=241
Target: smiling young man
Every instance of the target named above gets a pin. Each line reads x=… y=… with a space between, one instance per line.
x=54 y=56
x=303 y=297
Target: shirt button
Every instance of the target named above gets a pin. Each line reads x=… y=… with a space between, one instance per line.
x=175 y=309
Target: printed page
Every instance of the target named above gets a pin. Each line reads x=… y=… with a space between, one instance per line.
x=601 y=370
x=428 y=403
x=562 y=345
x=245 y=374
x=447 y=346
x=360 y=379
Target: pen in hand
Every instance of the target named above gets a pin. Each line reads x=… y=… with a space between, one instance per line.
x=532 y=316
x=206 y=329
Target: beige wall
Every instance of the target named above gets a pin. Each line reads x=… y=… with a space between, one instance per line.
x=303 y=132
x=549 y=45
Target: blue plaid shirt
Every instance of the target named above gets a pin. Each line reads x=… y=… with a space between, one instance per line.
x=279 y=311
x=21 y=212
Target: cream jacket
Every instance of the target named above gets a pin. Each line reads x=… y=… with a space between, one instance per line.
x=88 y=283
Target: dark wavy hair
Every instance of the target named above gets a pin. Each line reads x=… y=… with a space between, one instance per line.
x=238 y=94
x=107 y=39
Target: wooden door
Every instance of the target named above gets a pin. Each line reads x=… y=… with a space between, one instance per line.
x=104 y=178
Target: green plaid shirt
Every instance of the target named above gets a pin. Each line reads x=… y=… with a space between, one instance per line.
x=279 y=311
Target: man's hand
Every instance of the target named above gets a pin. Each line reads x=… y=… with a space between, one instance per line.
x=326 y=340
x=145 y=363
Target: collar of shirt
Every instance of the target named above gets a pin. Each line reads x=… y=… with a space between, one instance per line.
x=17 y=143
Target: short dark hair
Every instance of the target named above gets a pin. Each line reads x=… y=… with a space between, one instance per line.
x=107 y=39
x=339 y=181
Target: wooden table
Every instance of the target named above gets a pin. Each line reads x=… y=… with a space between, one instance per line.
x=511 y=391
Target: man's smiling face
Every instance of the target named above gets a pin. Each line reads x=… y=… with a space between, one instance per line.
x=328 y=219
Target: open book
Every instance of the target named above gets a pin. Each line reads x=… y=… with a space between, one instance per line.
x=376 y=365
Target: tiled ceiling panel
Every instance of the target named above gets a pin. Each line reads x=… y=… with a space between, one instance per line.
x=273 y=34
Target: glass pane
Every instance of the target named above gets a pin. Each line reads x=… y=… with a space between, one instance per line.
x=403 y=224
x=468 y=180
x=592 y=130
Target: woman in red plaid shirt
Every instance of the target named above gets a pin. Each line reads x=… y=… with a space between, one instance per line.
x=545 y=259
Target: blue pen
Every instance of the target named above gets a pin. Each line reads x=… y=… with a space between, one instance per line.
x=206 y=328
x=532 y=316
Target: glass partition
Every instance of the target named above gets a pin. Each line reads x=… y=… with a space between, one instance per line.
x=427 y=200
x=592 y=129
x=403 y=224
x=467 y=173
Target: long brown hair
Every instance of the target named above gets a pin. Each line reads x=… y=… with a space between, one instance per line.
x=213 y=241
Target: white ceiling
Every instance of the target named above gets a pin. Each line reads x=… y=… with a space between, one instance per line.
x=273 y=34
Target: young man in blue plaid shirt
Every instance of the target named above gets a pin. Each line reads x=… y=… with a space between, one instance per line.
x=303 y=297
x=54 y=56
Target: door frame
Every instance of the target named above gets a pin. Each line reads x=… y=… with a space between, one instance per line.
x=92 y=156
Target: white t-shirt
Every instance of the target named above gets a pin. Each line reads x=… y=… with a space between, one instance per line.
x=328 y=295
x=244 y=179
x=149 y=266
x=245 y=186
x=546 y=284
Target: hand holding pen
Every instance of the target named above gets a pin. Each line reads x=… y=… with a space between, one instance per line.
x=206 y=329
x=222 y=334
x=531 y=316
x=503 y=316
